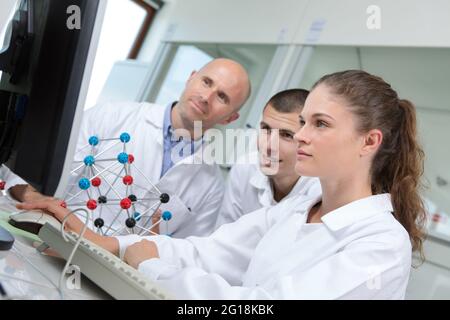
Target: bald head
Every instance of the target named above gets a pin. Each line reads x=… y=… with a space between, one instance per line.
x=235 y=73
x=214 y=94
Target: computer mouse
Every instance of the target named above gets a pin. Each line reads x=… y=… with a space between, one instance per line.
x=6 y=239
x=32 y=221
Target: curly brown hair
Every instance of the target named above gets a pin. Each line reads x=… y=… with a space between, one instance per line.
x=398 y=165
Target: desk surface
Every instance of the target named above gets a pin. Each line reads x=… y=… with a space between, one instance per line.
x=28 y=274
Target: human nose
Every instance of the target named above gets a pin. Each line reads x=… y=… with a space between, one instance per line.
x=302 y=135
x=206 y=95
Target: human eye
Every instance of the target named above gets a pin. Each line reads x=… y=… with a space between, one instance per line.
x=206 y=81
x=302 y=122
x=264 y=125
x=265 y=129
x=222 y=97
x=321 y=124
x=286 y=135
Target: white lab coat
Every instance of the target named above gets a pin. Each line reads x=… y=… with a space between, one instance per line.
x=10 y=178
x=195 y=190
x=248 y=189
x=360 y=251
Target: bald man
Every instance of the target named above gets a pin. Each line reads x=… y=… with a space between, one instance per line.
x=167 y=149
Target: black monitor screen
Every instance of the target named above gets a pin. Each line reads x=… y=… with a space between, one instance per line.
x=40 y=87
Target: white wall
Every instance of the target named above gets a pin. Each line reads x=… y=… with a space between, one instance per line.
x=413 y=23
x=236 y=21
x=434 y=129
x=403 y=22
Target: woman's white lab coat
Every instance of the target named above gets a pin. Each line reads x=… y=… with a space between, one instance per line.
x=360 y=251
x=195 y=187
x=248 y=189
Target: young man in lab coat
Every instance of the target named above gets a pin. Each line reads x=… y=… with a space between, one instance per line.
x=268 y=177
x=212 y=96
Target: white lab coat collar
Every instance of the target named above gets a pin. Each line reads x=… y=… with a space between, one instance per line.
x=357 y=211
x=156 y=119
x=262 y=182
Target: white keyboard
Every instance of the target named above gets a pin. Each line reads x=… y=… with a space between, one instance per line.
x=103 y=268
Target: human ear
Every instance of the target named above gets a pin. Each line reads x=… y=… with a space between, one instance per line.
x=372 y=141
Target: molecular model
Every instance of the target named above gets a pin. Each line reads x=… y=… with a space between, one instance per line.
x=108 y=186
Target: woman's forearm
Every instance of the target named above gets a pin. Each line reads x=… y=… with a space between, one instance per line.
x=110 y=244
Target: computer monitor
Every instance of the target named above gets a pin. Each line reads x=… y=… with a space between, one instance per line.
x=43 y=86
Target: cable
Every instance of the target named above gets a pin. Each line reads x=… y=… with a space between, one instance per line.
x=65 y=236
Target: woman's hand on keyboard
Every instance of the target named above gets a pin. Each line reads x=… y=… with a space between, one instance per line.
x=140 y=252
x=53 y=207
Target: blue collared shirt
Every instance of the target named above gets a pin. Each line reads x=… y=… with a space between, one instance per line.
x=171 y=141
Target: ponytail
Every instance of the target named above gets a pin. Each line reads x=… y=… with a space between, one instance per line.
x=407 y=168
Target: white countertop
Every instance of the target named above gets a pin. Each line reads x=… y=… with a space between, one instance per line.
x=27 y=274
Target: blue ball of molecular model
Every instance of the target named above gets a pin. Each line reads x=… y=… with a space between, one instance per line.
x=137 y=216
x=89 y=161
x=84 y=184
x=125 y=137
x=166 y=216
x=93 y=141
x=122 y=158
